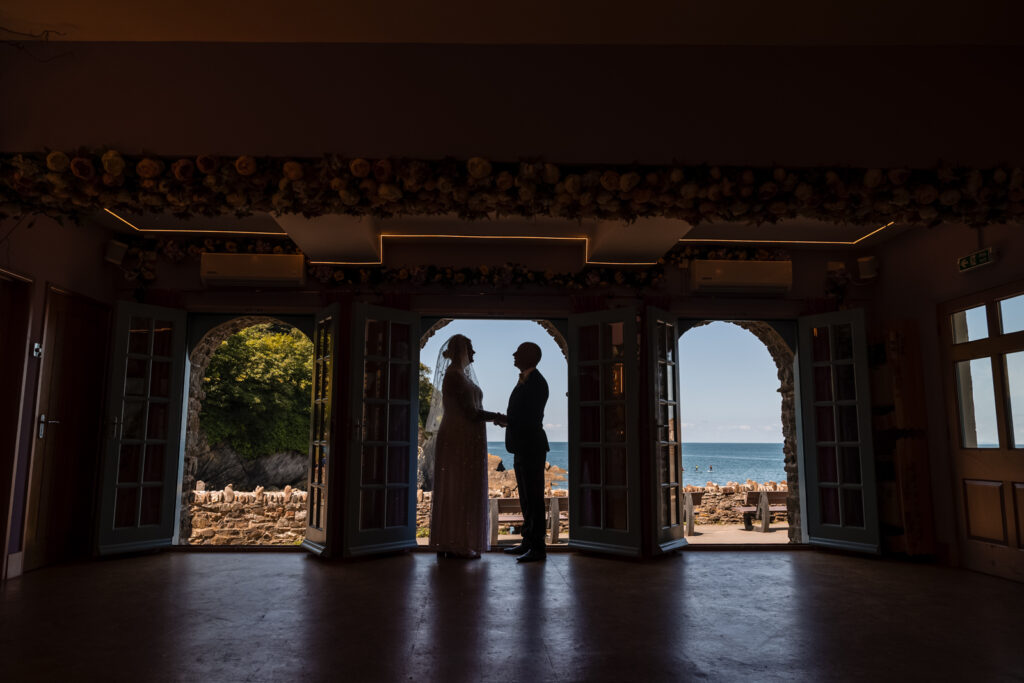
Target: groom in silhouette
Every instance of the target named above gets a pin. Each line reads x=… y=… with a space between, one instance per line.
x=526 y=441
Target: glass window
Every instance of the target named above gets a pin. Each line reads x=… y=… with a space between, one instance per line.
x=970 y=325
x=1011 y=314
x=1015 y=386
x=976 y=397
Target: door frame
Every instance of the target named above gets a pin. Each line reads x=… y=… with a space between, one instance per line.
x=9 y=475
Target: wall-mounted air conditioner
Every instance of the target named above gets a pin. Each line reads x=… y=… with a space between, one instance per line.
x=757 y=277
x=249 y=270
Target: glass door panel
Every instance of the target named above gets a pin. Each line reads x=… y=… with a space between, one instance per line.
x=604 y=476
x=665 y=450
x=838 y=461
x=142 y=455
x=383 y=407
x=325 y=340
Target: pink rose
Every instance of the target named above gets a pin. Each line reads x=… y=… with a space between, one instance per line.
x=245 y=165
x=82 y=168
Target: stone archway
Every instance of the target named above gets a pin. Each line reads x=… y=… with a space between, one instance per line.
x=195 y=441
x=783 y=357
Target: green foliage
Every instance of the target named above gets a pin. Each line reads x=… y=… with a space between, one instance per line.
x=258 y=388
x=426 y=391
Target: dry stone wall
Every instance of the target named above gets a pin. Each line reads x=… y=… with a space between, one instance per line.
x=229 y=517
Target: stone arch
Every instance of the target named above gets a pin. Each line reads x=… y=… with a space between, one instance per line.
x=783 y=357
x=195 y=441
x=546 y=325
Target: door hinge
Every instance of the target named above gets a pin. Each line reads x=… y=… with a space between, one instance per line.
x=37 y=350
x=43 y=422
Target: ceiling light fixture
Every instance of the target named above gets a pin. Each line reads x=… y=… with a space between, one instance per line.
x=191 y=230
x=711 y=240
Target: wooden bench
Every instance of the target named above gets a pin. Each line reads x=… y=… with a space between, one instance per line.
x=762 y=504
x=508 y=511
x=690 y=499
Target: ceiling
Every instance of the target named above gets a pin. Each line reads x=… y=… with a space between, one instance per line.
x=569 y=22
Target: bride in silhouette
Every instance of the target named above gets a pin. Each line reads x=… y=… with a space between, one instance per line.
x=458 y=522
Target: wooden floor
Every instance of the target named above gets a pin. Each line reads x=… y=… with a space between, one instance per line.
x=720 y=615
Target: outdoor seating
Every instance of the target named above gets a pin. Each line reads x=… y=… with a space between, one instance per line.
x=762 y=504
x=690 y=499
x=508 y=511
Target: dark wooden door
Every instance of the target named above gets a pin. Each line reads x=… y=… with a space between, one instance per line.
x=322 y=434
x=142 y=461
x=604 y=457
x=15 y=301
x=838 y=456
x=983 y=371
x=67 y=435
x=380 y=472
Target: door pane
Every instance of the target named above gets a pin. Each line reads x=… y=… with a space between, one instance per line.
x=615 y=466
x=126 y=506
x=590 y=424
x=156 y=425
x=371 y=515
x=399 y=341
x=853 y=507
x=1011 y=314
x=615 y=516
x=398 y=465
x=827 y=470
x=969 y=325
x=138 y=335
x=163 y=335
x=373 y=379
x=398 y=506
x=850 y=459
x=976 y=399
x=843 y=342
x=590 y=383
x=615 y=424
x=376 y=338
x=820 y=345
x=826 y=424
x=1015 y=386
x=829 y=505
x=589 y=348
x=134 y=420
x=150 y=512
x=135 y=377
x=375 y=422
x=590 y=465
x=128 y=464
x=590 y=507
x=848 y=423
x=614 y=382
x=398 y=422
x=160 y=380
x=846 y=383
x=823 y=383
x=154 y=468
x=373 y=465
x=399 y=381
x=614 y=344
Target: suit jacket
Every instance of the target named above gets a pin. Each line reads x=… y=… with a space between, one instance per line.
x=525 y=430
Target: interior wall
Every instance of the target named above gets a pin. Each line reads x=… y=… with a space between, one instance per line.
x=917 y=272
x=69 y=257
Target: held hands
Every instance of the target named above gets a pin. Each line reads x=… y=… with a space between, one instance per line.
x=500 y=420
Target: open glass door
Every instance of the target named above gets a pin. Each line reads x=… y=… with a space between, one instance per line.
x=604 y=471
x=663 y=380
x=325 y=340
x=835 y=408
x=142 y=458
x=380 y=512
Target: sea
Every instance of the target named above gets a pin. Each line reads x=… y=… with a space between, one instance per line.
x=702 y=462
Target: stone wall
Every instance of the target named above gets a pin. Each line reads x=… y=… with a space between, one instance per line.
x=259 y=517
x=717 y=505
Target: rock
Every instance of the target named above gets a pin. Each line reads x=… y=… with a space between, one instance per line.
x=200 y=486
x=229 y=494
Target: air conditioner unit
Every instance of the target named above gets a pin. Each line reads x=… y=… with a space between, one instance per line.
x=248 y=270
x=761 y=277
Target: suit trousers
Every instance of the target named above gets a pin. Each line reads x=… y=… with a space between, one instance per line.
x=529 y=467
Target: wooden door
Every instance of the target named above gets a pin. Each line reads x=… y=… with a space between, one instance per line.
x=380 y=473
x=142 y=459
x=321 y=431
x=983 y=369
x=67 y=431
x=604 y=469
x=838 y=462
x=15 y=302
x=665 y=449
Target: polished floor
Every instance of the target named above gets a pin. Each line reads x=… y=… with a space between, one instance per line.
x=720 y=615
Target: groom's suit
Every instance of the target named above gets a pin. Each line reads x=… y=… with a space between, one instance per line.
x=525 y=439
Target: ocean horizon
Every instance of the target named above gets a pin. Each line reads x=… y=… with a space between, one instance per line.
x=703 y=462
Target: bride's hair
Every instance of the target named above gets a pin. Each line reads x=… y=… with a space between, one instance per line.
x=455 y=346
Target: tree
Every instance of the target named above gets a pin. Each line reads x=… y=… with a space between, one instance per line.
x=426 y=391
x=258 y=388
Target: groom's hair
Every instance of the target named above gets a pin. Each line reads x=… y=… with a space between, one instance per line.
x=533 y=353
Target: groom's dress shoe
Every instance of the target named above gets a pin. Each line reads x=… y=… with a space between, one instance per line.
x=532 y=556
x=516 y=550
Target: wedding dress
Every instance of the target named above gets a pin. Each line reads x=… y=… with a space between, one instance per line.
x=459 y=516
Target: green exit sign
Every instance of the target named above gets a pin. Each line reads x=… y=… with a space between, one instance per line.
x=976 y=260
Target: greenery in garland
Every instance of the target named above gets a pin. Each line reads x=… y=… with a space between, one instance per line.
x=257 y=389
x=76 y=184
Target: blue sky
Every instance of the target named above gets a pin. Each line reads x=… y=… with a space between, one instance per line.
x=728 y=382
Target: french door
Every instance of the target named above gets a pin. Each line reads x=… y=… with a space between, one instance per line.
x=321 y=433
x=983 y=370
x=380 y=469
x=604 y=467
x=666 y=450
x=835 y=417
x=142 y=459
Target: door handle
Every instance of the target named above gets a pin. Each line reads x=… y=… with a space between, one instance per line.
x=43 y=422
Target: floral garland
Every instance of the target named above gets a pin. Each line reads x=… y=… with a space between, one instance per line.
x=73 y=185
x=141 y=260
